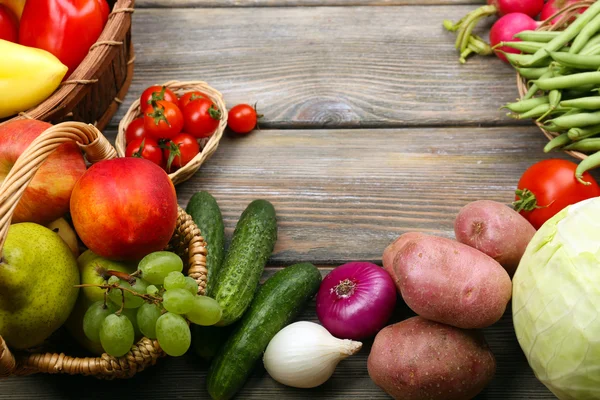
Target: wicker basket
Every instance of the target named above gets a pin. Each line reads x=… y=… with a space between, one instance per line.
x=566 y=14
x=207 y=145
x=94 y=91
x=187 y=242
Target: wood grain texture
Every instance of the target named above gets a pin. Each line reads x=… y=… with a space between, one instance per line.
x=327 y=66
x=291 y=3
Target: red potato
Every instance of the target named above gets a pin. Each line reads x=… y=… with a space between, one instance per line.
x=496 y=230
x=447 y=281
x=418 y=359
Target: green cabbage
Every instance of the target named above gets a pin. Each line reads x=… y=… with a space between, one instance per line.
x=556 y=298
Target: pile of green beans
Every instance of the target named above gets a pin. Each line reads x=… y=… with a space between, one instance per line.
x=562 y=70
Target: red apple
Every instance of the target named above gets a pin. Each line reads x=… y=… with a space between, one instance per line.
x=125 y=208
x=47 y=196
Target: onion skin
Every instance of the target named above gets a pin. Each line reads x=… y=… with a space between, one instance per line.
x=356 y=300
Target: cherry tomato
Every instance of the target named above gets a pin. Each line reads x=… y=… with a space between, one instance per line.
x=189 y=96
x=135 y=130
x=9 y=25
x=162 y=120
x=242 y=118
x=201 y=118
x=145 y=148
x=104 y=9
x=549 y=186
x=157 y=93
x=181 y=150
x=65 y=28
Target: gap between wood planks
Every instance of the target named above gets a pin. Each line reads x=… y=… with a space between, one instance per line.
x=293 y=3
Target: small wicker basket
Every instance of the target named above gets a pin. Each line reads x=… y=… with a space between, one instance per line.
x=94 y=91
x=187 y=241
x=565 y=14
x=208 y=145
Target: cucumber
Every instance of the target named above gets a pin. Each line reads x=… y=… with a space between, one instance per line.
x=205 y=212
x=207 y=340
x=277 y=303
x=251 y=246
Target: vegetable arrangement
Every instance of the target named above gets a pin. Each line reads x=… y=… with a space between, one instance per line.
x=45 y=41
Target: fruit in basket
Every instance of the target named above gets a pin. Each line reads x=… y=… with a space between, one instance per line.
x=156 y=93
x=190 y=96
x=93 y=271
x=180 y=150
x=135 y=130
x=146 y=148
x=65 y=28
x=38 y=275
x=201 y=118
x=504 y=30
x=162 y=120
x=64 y=230
x=29 y=76
x=125 y=208
x=9 y=24
x=116 y=335
x=47 y=196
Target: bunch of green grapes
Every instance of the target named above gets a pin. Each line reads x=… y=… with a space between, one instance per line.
x=157 y=303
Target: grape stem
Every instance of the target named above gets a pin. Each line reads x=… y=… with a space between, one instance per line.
x=147 y=297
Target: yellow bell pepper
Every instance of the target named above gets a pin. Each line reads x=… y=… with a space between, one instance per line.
x=16 y=6
x=27 y=77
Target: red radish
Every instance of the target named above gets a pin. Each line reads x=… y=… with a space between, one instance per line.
x=554 y=6
x=465 y=26
x=506 y=28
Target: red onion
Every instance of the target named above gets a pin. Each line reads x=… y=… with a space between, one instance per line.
x=356 y=300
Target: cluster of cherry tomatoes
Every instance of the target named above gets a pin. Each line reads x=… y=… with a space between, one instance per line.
x=169 y=130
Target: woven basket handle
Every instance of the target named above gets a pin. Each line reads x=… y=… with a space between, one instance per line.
x=91 y=141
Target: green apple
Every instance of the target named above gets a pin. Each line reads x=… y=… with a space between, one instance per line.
x=92 y=269
x=38 y=278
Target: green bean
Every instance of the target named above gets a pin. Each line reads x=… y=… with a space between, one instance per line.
x=526 y=47
x=559 y=141
x=590 y=162
x=567 y=35
x=534 y=88
x=578 y=61
x=541 y=110
x=526 y=105
x=531 y=73
x=537 y=36
x=591 y=43
x=553 y=101
x=569 y=81
x=592 y=51
x=582 y=91
x=582 y=133
x=577 y=120
x=587 y=145
x=585 y=34
x=525 y=60
x=551 y=127
x=587 y=103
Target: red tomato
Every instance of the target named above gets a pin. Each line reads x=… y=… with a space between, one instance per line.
x=135 y=130
x=105 y=9
x=189 y=96
x=65 y=28
x=157 y=93
x=242 y=118
x=9 y=25
x=145 y=148
x=201 y=118
x=181 y=150
x=549 y=186
x=163 y=120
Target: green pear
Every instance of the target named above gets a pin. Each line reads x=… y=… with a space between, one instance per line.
x=38 y=275
x=92 y=270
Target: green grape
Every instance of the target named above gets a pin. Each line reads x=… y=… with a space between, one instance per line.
x=191 y=285
x=173 y=334
x=152 y=290
x=113 y=279
x=131 y=300
x=206 y=311
x=146 y=319
x=93 y=318
x=178 y=301
x=156 y=266
x=116 y=335
x=175 y=280
x=131 y=314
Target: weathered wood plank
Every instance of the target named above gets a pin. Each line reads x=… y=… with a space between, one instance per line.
x=290 y=3
x=185 y=377
x=342 y=195
x=326 y=67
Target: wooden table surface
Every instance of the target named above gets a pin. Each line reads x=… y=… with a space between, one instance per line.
x=372 y=128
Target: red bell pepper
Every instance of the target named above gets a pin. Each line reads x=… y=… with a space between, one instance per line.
x=65 y=28
x=9 y=25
